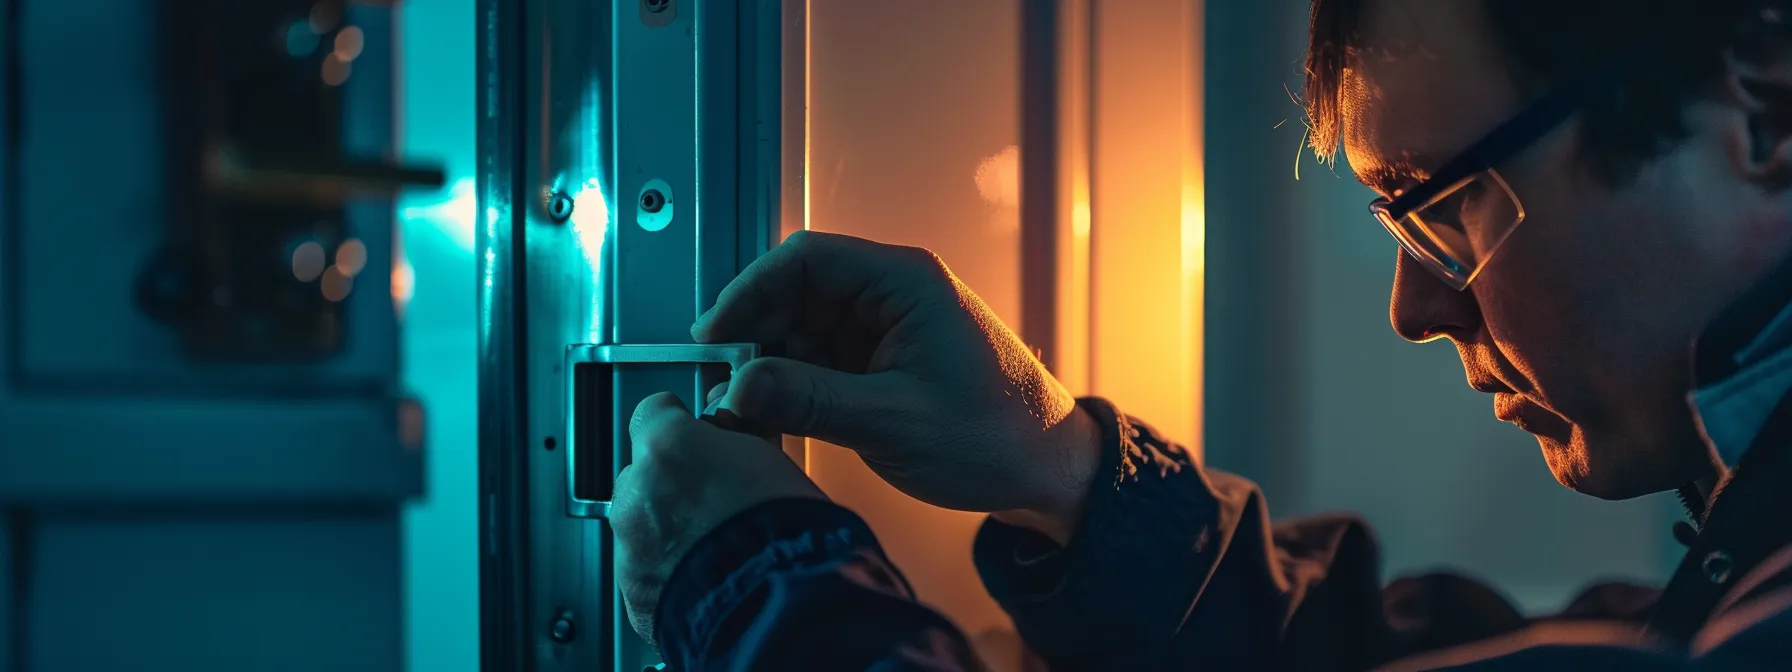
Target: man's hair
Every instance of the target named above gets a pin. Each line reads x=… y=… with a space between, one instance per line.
x=1546 y=42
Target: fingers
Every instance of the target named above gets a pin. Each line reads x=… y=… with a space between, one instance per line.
x=659 y=421
x=801 y=399
x=881 y=283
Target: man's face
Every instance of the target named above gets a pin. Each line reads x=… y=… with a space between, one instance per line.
x=1582 y=323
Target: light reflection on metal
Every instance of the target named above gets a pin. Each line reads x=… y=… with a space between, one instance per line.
x=591 y=228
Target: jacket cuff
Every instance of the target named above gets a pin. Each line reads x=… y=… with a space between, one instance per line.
x=1150 y=536
x=716 y=578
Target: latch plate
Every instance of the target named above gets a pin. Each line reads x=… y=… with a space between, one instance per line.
x=735 y=355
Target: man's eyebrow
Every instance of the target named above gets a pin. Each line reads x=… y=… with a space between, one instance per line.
x=1389 y=177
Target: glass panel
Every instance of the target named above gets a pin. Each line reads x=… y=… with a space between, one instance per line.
x=918 y=146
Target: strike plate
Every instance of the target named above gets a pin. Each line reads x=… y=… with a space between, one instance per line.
x=735 y=355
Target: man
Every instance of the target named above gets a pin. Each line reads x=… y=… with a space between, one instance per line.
x=1583 y=189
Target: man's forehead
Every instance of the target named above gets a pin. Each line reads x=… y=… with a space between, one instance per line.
x=1425 y=81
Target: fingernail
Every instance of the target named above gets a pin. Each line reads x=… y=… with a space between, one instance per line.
x=716 y=393
x=715 y=407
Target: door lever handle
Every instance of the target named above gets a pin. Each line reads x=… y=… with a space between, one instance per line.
x=592 y=430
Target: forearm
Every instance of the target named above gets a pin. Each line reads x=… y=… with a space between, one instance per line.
x=800 y=585
x=1174 y=566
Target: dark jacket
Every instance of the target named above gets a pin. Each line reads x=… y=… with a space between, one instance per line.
x=1179 y=568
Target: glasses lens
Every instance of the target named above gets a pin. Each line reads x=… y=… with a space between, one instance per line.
x=1456 y=233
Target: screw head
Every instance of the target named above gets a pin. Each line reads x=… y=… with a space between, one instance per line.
x=560 y=207
x=563 y=630
x=657 y=6
x=652 y=201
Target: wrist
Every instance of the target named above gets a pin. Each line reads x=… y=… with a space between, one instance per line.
x=1071 y=458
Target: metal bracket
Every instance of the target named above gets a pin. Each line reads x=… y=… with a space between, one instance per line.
x=735 y=355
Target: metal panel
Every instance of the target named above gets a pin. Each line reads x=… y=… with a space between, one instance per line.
x=192 y=590
x=9 y=600
x=630 y=164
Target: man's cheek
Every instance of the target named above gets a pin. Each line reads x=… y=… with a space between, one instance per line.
x=1765 y=237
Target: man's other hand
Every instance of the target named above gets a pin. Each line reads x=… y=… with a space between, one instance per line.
x=688 y=477
x=885 y=352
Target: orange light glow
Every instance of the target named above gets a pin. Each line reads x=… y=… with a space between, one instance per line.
x=349 y=43
x=998 y=178
x=404 y=281
x=1147 y=244
x=351 y=257
x=335 y=70
x=335 y=285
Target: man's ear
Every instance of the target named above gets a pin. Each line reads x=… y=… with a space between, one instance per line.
x=1758 y=80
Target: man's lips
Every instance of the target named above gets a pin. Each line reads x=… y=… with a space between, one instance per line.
x=1508 y=406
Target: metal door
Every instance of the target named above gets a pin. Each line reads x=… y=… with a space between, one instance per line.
x=633 y=158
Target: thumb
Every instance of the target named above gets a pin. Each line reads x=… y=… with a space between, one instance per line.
x=802 y=399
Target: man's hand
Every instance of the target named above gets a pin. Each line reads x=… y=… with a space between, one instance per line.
x=688 y=476
x=887 y=353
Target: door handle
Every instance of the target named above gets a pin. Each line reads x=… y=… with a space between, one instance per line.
x=592 y=432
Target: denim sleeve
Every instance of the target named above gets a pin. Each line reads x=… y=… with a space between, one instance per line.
x=800 y=585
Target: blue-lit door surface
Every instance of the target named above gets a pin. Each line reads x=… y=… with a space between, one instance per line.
x=630 y=163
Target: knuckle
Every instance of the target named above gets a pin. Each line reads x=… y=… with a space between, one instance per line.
x=822 y=400
x=925 y=261
x=799 y=238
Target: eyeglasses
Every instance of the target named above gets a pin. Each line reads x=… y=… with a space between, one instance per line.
x=1455 y=220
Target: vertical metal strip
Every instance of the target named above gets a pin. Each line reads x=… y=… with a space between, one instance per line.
x=503 y=476
x=1040 y=213
x=1092 y=84
x=794 y=134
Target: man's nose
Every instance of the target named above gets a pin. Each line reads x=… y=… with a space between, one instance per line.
x=1422 y=308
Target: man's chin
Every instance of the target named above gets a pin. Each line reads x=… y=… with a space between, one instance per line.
x=1609 y=475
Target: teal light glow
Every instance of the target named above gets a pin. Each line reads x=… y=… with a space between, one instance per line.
x=300 y=41
x=591 y=220
x=591 y=228
x=453 y=215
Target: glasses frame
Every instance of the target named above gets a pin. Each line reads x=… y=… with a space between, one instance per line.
x=1498 y=146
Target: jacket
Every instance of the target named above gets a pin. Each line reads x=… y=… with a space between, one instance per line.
x=1177 y=567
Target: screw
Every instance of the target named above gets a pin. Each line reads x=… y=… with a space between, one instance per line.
x=657 y=6
x=560 y=207
x=563 y=630
x=652 y=201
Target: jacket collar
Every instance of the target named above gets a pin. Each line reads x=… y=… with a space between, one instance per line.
x=1742 y=369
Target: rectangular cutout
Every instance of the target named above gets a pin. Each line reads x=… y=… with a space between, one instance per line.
x=593 y=427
